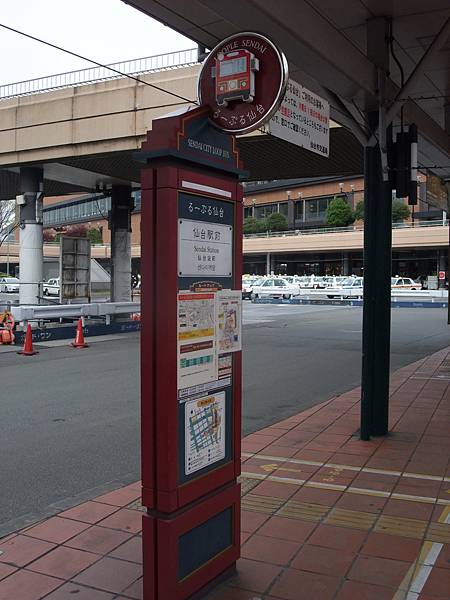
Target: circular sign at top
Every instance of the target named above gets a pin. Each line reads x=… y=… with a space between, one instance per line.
x=243 y=79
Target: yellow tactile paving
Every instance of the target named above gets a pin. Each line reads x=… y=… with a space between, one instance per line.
x=412 y=528
x=264 y=504
x=418 y=573
x=439 y=532
x=247 y=484
x=351 y=518
x=304 y=511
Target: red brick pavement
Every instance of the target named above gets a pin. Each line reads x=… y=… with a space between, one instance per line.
x=324 y=515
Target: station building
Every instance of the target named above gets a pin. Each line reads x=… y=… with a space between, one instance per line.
x=420 y=243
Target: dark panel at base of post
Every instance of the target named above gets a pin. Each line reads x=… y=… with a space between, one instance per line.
x=377 y=298
x=187 y=552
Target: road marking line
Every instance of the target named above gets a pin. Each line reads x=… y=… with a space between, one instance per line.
x=286 y=480
x=425 y=499
x=364 y=492
x=417 y=575
x=315 y=463
x=381 y=471
x=419 y=476
x=348 y=489
x=326 y=486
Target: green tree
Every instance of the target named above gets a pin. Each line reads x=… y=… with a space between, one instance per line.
x=339 y=213
x=95 y=235
x=276 y=222
x=400 y=211
x=252 y=225
x=359 y=211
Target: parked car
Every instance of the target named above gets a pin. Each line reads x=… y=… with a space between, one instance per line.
x=309 y=282
x=351 y=288
x=336 y=281
x=247 y=286
x=9 y=284
x=51 y=287
x=404 y=283
x=275 y=287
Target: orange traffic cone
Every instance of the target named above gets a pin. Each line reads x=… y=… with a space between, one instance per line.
x=28 y=345
x=79 y=338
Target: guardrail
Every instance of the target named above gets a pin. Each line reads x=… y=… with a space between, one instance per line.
x=350 y=228
x=23 y=314
x=394 y=293
x=147 y=64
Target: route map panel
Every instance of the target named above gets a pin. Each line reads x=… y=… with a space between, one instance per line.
x=205 y=431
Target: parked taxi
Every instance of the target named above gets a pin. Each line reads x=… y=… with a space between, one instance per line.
x=404 y=283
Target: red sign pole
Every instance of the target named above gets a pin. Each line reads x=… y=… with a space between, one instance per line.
x=190 y=355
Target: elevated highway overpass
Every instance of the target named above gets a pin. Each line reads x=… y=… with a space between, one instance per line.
x=78 y=132
x=84 y=134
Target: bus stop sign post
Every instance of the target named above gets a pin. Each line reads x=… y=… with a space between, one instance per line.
x=191 y=367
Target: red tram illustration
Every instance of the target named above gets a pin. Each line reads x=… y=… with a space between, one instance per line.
x=234 y=73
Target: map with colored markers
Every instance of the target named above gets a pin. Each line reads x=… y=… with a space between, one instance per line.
x=205 y=431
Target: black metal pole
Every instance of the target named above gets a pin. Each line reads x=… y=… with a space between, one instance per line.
x=370 y=193
x=377 y=298
x=448 y=270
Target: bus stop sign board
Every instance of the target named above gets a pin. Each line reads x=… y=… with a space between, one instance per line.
x=190 y=354
x=191 y=366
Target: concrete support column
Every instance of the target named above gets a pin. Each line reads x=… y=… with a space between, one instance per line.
x=30 y=234
x=345 y=264
x=290 y=212
x=268 y=263
x=120 y=227
x=272 y=264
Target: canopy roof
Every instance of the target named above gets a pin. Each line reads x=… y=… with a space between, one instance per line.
x=325 y=42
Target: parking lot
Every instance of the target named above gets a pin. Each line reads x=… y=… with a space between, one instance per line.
x=62 y=407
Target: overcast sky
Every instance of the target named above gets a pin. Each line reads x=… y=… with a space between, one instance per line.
x=105 y=30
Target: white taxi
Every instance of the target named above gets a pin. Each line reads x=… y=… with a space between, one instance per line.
x=404 y=283
x=275 y=287
x=353 y=287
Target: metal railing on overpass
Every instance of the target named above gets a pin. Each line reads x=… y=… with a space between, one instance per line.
x=323 y=230
x=136 y=66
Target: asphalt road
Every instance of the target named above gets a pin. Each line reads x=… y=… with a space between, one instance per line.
x=69 y=420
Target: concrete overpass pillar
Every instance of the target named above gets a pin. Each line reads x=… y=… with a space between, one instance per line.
x=30 y=233
x=290 y=212
x=268 y=264
x=120 y=227
x=345 y=264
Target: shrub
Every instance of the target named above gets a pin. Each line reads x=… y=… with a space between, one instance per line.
x=339 y=213
x=400 y=211
x=359 y=211
x=276 y=222
x=95 y=235
x=252 y=225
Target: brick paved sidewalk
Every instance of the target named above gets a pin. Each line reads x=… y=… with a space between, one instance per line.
x=325 y=516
